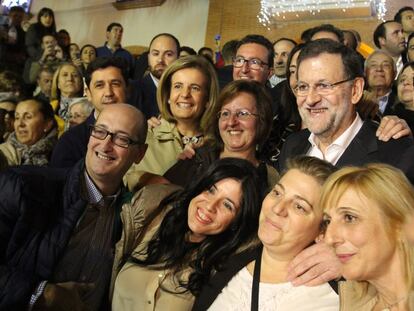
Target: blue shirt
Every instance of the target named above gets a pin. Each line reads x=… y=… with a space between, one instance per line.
x=104 y=51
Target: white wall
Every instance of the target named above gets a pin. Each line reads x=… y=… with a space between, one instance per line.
x=86 y=20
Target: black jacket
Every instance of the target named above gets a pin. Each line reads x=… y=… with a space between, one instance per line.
x=39 y=207
x=72 y=146
x=364 y=148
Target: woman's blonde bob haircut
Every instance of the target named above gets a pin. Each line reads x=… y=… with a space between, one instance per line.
x=390 y=190
x=164 y=89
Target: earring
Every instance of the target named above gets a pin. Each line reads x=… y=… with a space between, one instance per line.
x=169 y=102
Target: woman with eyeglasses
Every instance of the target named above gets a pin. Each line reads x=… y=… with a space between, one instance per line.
x=34 y=135
x=186 y=97
x=173 y=240
x=239 y=127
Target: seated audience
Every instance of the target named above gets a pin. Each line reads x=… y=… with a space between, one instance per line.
x=8 y=106
x=49 y=58
x=290 y=221
x=87 y=55
x=45 y=25
x=365 y=211
x=64 y=41
x=113 y=48
x=405 y=106
x=12 y=41
x=79 y=110
x=44 y=83
x=66 y=86
x=74 y=54
x=239 y=127
x=187 y=96
x=34 y=135
x=181 y=238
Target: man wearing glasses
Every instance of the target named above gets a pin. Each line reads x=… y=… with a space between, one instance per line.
x=330 y=84
x=59 y=227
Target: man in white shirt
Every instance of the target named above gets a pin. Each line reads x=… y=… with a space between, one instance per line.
x=389 y=37
x=330 y=83
x=282 y=48
x=380 y=73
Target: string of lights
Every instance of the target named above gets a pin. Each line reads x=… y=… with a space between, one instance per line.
x=273 y=11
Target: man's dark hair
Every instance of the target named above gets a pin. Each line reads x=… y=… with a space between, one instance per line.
x=285 y=39
x=64 y=31
x=380 y=32
x=350 y=60
x=112 y=25
x=189 y=50
x=326 y=28
x=229 y=50
x=105 y=62
x=177 y=43
x=398 y=15
x=47 y=69
x=354 y=42
x=261 y=40
x=16 y=8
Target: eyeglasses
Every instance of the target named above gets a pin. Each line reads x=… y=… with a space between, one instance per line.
x=253 y=63
x=239 y=114
x=118 y=139
x=322 y=88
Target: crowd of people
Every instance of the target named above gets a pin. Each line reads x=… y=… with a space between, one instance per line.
x=279 y=178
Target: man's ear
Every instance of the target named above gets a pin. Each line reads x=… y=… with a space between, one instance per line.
x=357 y=90
x=381 y=41
x=270 y=73
x=141 y=153
x=88 y=93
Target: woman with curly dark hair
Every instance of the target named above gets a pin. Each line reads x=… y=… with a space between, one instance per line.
x=183 y=237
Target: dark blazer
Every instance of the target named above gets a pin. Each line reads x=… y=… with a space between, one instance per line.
x=144 y=96
x=364 y=148
x=39 y=207
x=72 y=146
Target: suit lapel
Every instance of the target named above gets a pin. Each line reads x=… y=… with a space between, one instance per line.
x=361 y=147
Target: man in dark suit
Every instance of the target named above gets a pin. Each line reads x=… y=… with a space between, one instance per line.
x=163 y=51
x=380 y=72
x=106 y=81
x=330 y=83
